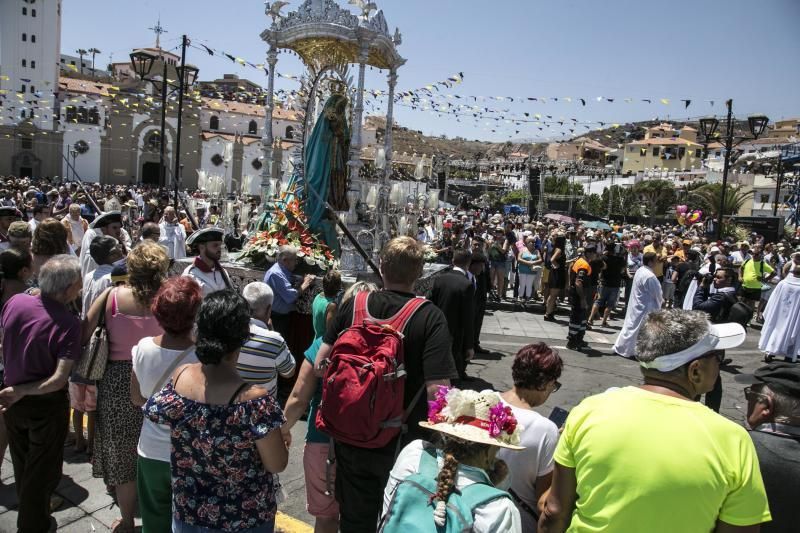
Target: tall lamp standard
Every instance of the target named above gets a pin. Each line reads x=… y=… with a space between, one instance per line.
x=142 y=63
x=187 y=75
x=708 y=127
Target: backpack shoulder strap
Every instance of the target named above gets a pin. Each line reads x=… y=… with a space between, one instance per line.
x=400 y=320
x=479 y=494
x=428 y=465
x=360 y=312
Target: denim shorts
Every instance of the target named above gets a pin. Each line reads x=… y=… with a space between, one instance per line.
x=607 y=297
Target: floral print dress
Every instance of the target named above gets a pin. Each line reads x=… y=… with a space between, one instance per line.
x=218 y=480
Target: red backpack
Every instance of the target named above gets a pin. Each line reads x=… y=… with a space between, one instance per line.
x=363 y=387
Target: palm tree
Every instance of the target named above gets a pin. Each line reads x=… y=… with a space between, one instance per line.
x=81 y=52
x=94 y=51
x=708 y=198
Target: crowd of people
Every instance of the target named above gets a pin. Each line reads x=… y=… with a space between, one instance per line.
x=177 y=376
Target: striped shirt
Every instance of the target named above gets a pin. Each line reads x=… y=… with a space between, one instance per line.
x=265 y=356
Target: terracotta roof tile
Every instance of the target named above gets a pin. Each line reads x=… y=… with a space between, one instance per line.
x=216 y=104
x=74 y=85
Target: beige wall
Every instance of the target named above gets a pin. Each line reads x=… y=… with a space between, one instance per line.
x=634 y=161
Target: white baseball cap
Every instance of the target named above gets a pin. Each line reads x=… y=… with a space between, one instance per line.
x=719 y=337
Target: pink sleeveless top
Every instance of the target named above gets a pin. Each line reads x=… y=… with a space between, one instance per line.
x=125 y=331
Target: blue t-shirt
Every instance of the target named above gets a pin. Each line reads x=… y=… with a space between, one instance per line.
x=312 y=433
x=527 y=256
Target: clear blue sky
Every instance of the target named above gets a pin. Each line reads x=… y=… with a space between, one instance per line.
x=682 y=49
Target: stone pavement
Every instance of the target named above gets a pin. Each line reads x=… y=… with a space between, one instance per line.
x=87 y=507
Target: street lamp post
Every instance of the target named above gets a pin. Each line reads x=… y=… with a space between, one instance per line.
x=142 y=63
x=778 y=184
x=708 y=126
x=74 y=153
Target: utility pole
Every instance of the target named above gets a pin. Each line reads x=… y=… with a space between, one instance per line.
x=181 y=81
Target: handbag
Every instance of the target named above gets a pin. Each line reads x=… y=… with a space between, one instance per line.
x=92 y=364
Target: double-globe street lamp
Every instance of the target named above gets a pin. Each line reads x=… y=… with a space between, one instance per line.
x=142 y=62
x=708 y=127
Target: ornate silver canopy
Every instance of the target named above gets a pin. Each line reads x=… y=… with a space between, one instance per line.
x=328 y=37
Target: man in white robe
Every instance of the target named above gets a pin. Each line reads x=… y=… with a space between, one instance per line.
x=646 y=297
x=780 y=334
x=173 y=234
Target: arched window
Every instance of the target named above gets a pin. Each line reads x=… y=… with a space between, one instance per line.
x=214 y=123
x=83 y=115
x=252 y=128
x=289 y=132
x=94 y=116
x=153 y=140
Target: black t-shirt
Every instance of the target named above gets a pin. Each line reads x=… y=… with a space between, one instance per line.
x=682 y=269
x=612 y=275
x=426 y=345
x=597 y=268
x=779 y=459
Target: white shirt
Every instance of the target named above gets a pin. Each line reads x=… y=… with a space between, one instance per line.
x=77 y=230
x=87 y=263
x=33 y=223
x=209 y=282
x=94 y=283
x=149 y=364
x=739 y=258
x=498 y=515
x=539 y=437
x=173 y=238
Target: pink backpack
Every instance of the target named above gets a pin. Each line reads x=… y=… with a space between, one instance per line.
x=363 y=387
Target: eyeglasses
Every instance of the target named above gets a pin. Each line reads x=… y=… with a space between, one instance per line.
x=556 y=386
x=752 y=395
x=718 y=354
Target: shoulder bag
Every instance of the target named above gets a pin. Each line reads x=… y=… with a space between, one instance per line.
x=92 y=364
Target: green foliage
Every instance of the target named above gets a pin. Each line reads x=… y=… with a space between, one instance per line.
x=593 y=204
x=624 y=201
x=518 y=196
x=561 y=185
x=708 y=198
x=658 y=196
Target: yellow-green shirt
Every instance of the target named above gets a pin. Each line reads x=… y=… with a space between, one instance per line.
x=752 y=272
x=646 y=462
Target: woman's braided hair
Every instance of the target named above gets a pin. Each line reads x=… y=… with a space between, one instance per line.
x=456 y=451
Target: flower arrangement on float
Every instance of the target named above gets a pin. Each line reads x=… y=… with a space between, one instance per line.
x=288 y=226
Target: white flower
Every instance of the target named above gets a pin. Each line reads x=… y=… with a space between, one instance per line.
x=310 y=260
x=460 y=403
x=485 y=401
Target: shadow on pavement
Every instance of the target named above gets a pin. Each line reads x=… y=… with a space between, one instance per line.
x=476 y=384
x=490 y=356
